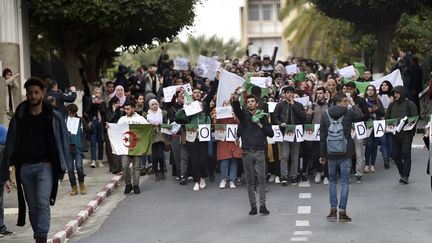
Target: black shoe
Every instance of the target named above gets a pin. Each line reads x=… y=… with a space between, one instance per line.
x=293 y=181
x=7 y=233
x=303 y=178
x=263 y=210
x=183 y=180
x=359 y=179
x=162 y=175
x=343 y=217
x=136 y=189
x=128 y=189
x=284 y=181
x=387 y=163
x=404 y=180
x=332 y=215
x=143 y=171
x=253 y=211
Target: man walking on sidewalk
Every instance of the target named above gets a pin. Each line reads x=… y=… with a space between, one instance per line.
x=38 y=146
x=337 y=148
x=254 y=129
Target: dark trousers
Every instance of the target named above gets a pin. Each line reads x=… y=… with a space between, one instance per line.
x=198 y=159
x=401 y=148
x=158 y=156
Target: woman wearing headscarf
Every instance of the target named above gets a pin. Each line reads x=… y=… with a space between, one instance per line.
x=120 y=93
x=156 y=117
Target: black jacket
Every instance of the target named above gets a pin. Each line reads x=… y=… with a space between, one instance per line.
x=361 y=103
x=253 y=137
x=350 y=116
x=290 y=114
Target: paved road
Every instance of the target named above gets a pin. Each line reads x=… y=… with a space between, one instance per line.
x=381 y=208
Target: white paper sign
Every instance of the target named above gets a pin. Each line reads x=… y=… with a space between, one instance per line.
x=401 y=124
x=379 y=128
x=207 y=67
x=204 y=132
x=291 y=69
x=73 y=125
x=394 y=78
x=385 y=100
x=347 y=72
x=155 y=119
x=227 y=84
x=170 y=91
x=278 y=136
x=271 y=106
x=317 y=132
x=303 y=100
x=193 y=108
x=262 y=82
x=175 y=127
x=224 y=112
x=181 y=63
x=231 y=132
x=299 y=133
x=360 y=130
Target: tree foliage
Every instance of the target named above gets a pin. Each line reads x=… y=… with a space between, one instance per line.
x=89 y=30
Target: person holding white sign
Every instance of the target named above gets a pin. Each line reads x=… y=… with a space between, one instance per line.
x=376 y=111
x=289 y=112
x=402 y=141
x=253 y=131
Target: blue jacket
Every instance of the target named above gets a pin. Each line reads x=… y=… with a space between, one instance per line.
x=61 y=139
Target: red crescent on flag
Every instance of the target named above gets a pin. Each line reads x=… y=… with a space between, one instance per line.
x=132 y=139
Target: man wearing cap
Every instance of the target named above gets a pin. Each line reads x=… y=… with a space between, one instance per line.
x=358 y=143
x=289 y=112
x=267 y=66
x=401 y=141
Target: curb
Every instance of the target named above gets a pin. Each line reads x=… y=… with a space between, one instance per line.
x=72 y=226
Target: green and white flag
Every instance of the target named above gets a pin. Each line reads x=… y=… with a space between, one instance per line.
x=412 y=121
x=131 y=139
x=290 y=133
x=391 y=125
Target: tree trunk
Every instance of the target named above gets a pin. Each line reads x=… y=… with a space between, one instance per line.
x=384 y=38
x=71 y=61
x=91 y=69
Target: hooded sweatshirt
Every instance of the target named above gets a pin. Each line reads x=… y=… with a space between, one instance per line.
x=350 y=116
x=401 y=108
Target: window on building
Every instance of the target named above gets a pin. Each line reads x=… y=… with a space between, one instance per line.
x=254 y=12
x=277 y=10
x=267 y=10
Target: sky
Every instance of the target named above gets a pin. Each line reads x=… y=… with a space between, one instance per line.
x=220 y=17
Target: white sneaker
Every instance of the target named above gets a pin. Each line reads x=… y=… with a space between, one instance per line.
x=196 y=186
x=318 y=178
x=222 y=184
x=326 y=181
x=101 y=165
x=271 y=179
x=366 y=169
x=202 y=183
x=93 y=164
x=190 y=178
x=277 y=180
x=232 y=185
x=372 y=169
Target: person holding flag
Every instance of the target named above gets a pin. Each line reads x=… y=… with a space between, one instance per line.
x=131 y=117
x=254 y=129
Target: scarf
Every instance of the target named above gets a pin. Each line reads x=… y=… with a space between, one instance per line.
x=258 y=115
x=122 y=98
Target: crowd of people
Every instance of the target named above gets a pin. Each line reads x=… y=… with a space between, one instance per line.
x=137 y=97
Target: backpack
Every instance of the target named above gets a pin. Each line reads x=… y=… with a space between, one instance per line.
x=336 y=140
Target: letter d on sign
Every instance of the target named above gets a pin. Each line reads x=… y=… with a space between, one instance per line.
x=360 y=129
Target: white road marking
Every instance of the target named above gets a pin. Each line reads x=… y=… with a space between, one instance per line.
x=305 y=195
x=299 y=239
x=304 y=210
x=302 y=223
x=304 y=184
x=302 y=232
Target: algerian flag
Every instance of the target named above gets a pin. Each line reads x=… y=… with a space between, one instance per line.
x=394 y=78
x=360 y=67
x=289 y=133
x=131 y=139
x=220 y=132
x=309 y=132
x=391 y=125
x=411 y=123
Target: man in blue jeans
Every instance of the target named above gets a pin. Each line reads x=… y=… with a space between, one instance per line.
x=37 y=145
x=3 y=230
x=350 y=112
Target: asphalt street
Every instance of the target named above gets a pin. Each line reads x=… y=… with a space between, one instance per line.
x=382 y=211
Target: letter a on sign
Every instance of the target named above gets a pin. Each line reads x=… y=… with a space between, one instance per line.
x=204 y=133
x=379 y=128
x=360 y=130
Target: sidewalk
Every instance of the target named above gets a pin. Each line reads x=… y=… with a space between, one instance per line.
x=65 y=209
